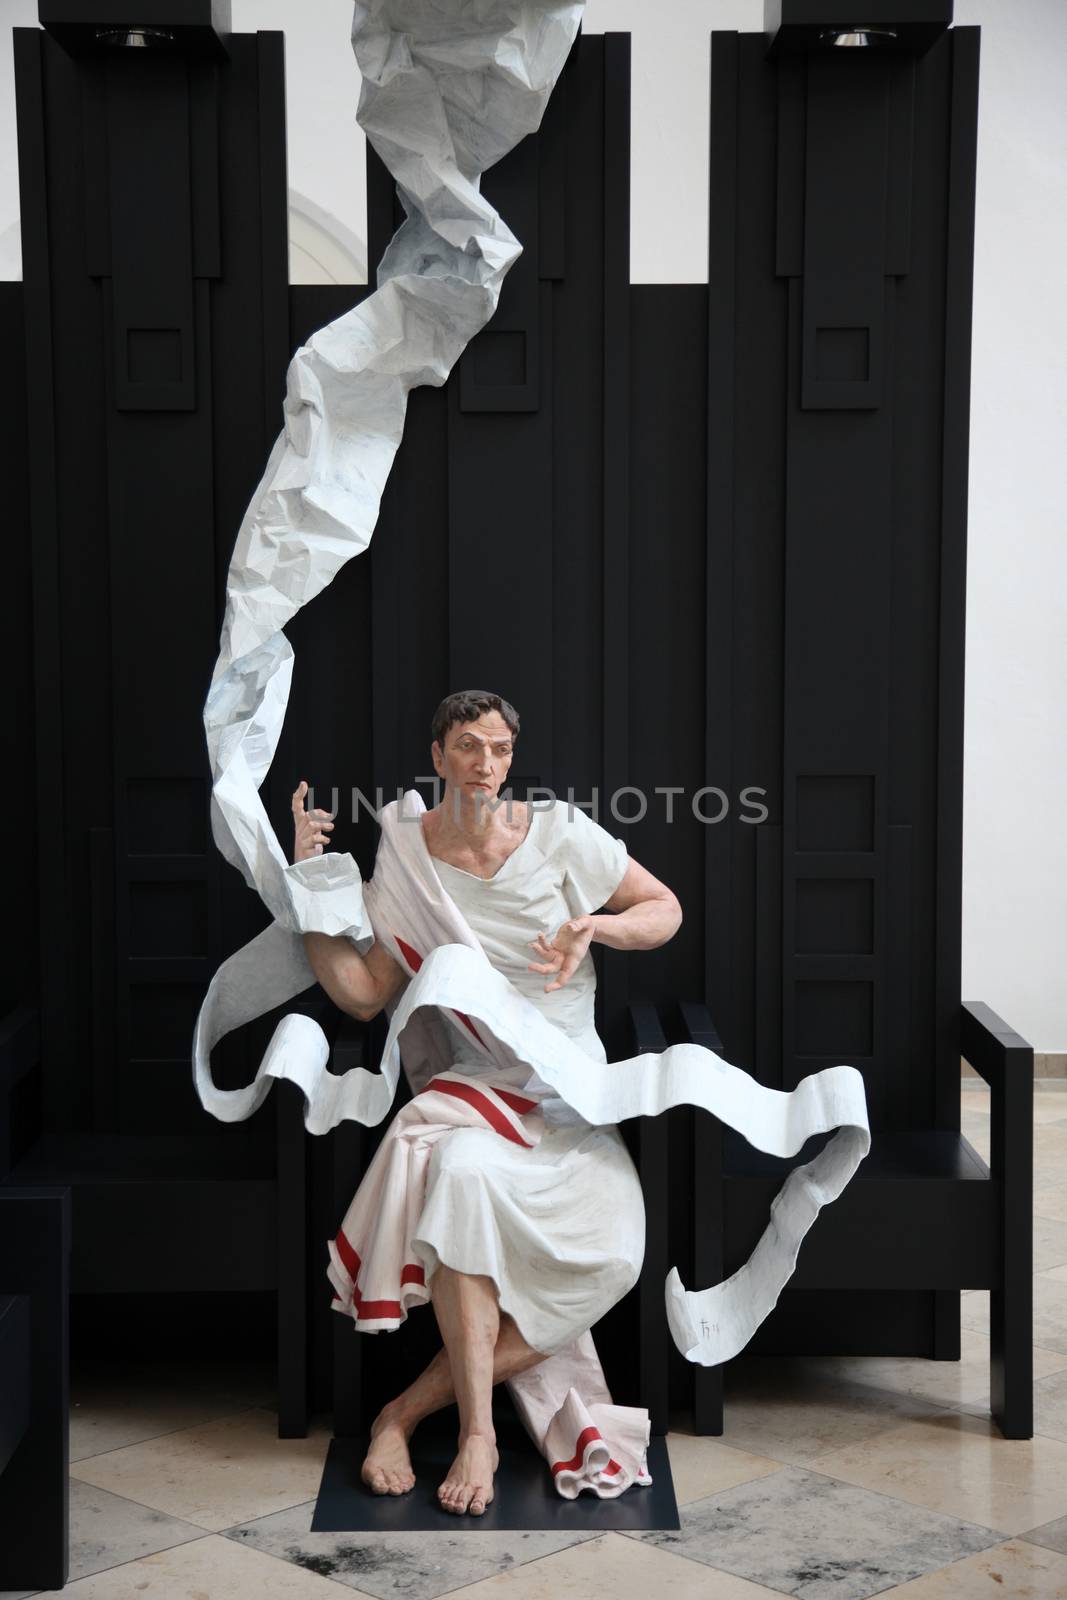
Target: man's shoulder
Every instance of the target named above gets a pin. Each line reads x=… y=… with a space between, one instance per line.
x=563 y=823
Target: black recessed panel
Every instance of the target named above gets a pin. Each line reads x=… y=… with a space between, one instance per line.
x=842 y=355
x=500 y=356
x=835 y=813
x=167 y=816
x=835 y=916
x=168 y=919
x=834 y=1017
x=162 y=1019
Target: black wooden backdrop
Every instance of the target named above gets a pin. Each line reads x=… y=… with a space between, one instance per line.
x=699 y=535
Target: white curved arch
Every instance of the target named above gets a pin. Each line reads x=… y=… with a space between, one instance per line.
x=322 y=249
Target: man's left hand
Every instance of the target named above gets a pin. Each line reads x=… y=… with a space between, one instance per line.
x=562 y=954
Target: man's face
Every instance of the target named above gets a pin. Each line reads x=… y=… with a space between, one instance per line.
x=476 y=757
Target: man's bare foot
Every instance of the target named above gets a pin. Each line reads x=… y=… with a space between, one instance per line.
x=387 y=1467
x=469 y=1485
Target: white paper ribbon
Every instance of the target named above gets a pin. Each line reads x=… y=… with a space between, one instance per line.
x=448 y=89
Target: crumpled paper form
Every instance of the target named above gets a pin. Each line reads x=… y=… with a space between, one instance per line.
x=448 y=89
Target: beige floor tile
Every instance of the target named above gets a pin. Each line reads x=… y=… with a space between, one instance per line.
x=962 y=1384
x=216 y=1475
x=702 y=1465
x=1050 y=1243
x=974 y=1311
x=1047 y=1364
x=1053 y=1535
x=1050 y=1156
x=211 y=1569
x=1051 y=1201
x=1058 y=1274
x=810 y=1535
x=785 y=1409
x=418 y=1566
x=617 y=1566
x=980 y=1144
x=1050 y=1106
x=1050 y=1406
x=960 y=1465
x=107 y=1529
x=1050 y=1143
x=1050 y=1310
x=1008 y=1571
x=115 y=1403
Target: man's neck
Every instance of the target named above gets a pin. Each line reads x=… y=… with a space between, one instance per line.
x=473 y=819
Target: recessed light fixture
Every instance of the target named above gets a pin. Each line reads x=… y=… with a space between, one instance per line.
x=134 y=38
x=856 y=38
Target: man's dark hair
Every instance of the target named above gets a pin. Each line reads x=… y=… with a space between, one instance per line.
x=467 y=706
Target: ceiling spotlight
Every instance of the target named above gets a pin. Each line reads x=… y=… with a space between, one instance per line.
x=134 y=38
x=856 y=38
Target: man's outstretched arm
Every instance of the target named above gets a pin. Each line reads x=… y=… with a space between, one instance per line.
x=360 y=985
x=645 y=913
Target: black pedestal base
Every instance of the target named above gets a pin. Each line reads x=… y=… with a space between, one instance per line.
x=523 y=1495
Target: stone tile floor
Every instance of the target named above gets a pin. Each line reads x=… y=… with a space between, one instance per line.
x=837 y=1478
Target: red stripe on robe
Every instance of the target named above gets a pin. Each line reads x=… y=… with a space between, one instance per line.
x=414 y=961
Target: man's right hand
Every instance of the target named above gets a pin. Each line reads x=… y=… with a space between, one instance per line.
x=310 y=827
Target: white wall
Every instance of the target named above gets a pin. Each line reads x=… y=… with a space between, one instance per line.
x=1015 y=851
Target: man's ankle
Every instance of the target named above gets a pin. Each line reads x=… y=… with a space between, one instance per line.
x=395 y=1412
x=487 y=1433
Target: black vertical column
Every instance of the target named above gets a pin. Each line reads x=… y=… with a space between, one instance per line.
x=65 y=1096
x=615 y=579
x=154 y=222
x=836 y=248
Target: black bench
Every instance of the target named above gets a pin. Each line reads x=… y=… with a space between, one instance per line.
x=35 y=1227
x=220 y=1211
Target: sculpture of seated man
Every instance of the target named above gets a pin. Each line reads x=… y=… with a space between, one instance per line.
x=510 y=871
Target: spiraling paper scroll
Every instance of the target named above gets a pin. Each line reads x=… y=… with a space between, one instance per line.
x=448 y=89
